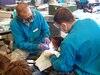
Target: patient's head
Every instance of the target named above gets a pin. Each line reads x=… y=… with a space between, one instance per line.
x=56 y=41
x=4 y=61
x=18 y=68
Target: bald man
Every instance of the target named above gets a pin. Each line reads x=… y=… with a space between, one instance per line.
x=30 y=30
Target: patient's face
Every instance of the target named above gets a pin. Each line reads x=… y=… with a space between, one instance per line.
x=54 y=44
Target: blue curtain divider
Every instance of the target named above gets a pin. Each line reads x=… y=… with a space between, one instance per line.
x=7 y=2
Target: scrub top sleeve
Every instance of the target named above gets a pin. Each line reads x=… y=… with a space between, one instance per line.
x=65 y=61
x=45 y=26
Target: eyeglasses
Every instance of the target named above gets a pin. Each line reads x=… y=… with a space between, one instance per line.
x=29 y=19
x=57 y=25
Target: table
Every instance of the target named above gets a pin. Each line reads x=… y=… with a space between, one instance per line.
x=5 y=32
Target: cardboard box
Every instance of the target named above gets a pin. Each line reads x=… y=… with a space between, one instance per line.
x=54 y=7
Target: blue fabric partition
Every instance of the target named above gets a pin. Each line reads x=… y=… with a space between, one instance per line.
x=7 y=2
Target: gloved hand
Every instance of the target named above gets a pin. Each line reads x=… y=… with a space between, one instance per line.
x=47 y=41
x=43 y=46
x=47 y=53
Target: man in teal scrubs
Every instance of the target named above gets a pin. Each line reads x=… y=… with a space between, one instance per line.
x=80 y=49
x=61 y=1
x=81 y=1
x=83 y=4
x=30 y=30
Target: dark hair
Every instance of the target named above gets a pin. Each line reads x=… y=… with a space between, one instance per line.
x=63 y=15
x=4 y=61
x=18 y=68
x=56 y=40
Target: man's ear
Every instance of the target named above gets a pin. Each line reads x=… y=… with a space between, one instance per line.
x=58 y=48
x=63 y=25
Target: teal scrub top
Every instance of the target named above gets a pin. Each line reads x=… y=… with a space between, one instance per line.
x=81 y=1
x=80 y=49
x=61 y=1
x=28 y=37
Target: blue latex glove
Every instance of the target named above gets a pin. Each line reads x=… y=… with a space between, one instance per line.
x=43 y=46
x=47 y=41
